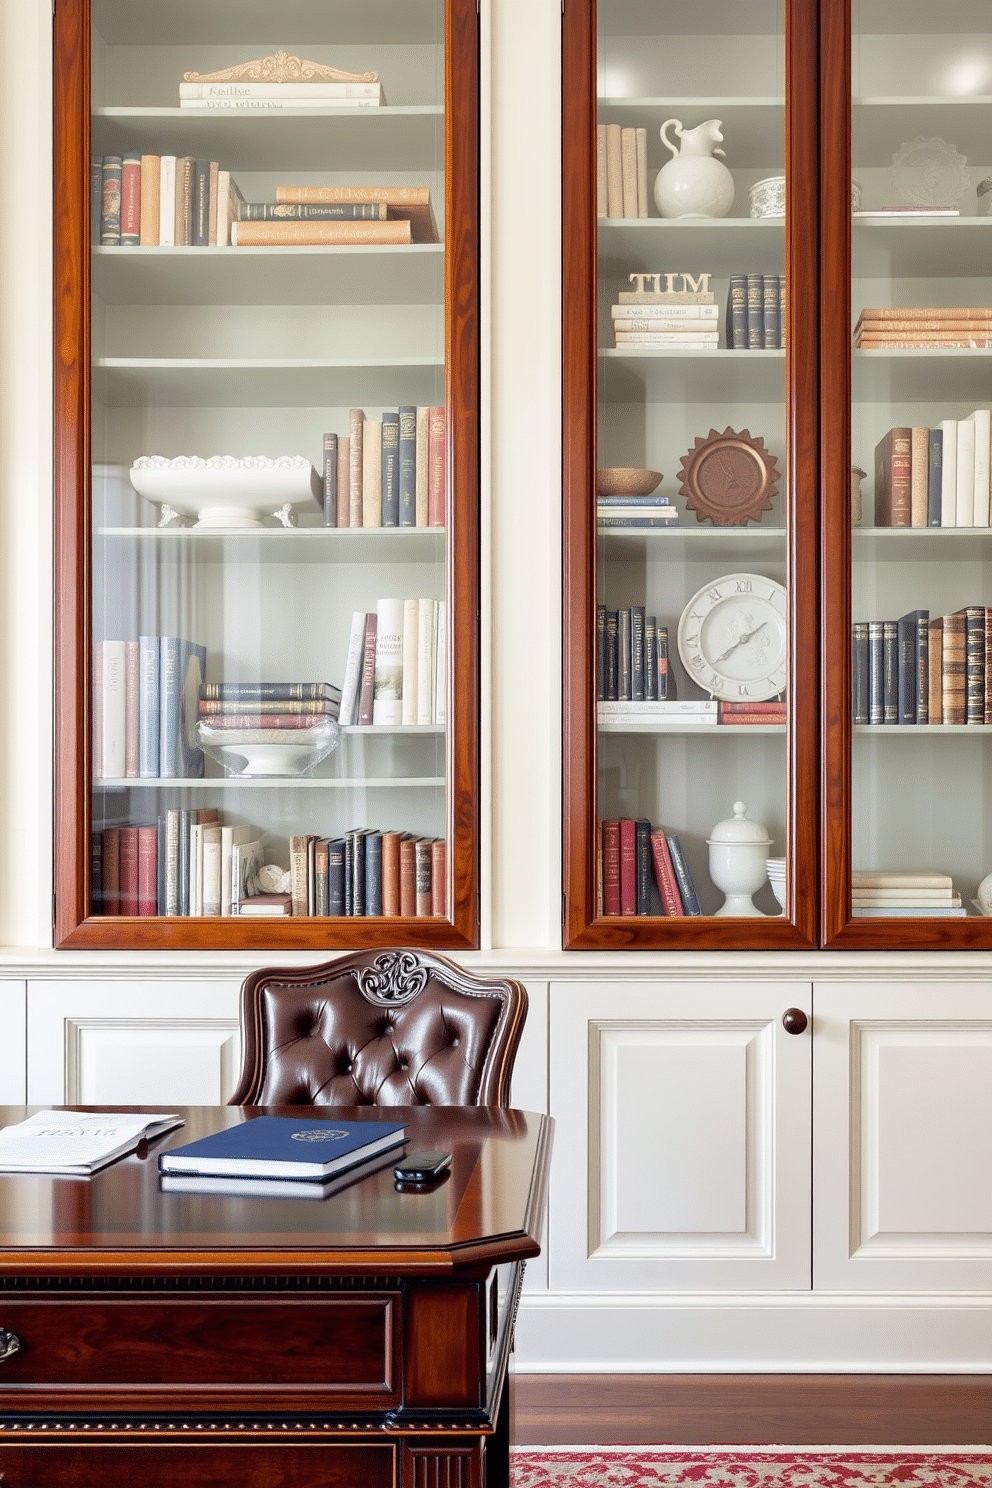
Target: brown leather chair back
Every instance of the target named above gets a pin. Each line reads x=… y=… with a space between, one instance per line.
x=387 y=1028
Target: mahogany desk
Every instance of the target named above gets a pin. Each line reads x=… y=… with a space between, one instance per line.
x=163 y=1340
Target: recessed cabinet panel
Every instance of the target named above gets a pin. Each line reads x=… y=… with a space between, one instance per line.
x=268 y=474
x=688 y=1141
x=915 y=1139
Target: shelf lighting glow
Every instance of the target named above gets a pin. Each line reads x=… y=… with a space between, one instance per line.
x=968 y=76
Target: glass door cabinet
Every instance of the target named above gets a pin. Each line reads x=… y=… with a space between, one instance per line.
x=267 y=473
x=690 y=370
x=907 y=340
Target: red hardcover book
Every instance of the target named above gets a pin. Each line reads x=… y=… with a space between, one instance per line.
x=131 y=201
x=147 y=870
x=611 y=867
x=129 y=871
x=112 y=870
x=664 y=875
x=438 y=886
x=367 y=692
x=628 y=867
x=436 y=468
x=408 y=877
x=770 y=706
x=894 y=479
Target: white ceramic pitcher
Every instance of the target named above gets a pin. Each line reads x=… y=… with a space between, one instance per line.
x=694 y=183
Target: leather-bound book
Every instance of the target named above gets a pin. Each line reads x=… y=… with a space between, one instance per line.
x=408 y=877
x=151 y=192
x=438 y=879
x=130 y=199
x=894 y=479
x=664 y=875
x=147 y=870
x=128 y=871
x=611 y=867
x=954 y=669
x=628 y=867
x=356 y=418
x=391 y=873
x=422 y=870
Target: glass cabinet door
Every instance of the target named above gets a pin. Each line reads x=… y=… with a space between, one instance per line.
x=267 y=479
x=690 y=469
x=908 y=320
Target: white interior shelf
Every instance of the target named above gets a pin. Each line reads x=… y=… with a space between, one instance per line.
x=914 y=375
x=345 y=545
x=274 y=782
x=654 y=726
x=721 y=247
x=751 y=544
x=691 y=376
x=266 y=382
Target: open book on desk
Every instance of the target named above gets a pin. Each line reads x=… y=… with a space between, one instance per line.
x=77 y=1142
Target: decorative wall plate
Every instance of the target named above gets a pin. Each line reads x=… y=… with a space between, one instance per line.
x=729 y=479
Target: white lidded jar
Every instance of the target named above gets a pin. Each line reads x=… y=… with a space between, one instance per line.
x=739 y=861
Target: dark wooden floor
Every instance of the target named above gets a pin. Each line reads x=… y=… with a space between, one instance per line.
x=792 y=1409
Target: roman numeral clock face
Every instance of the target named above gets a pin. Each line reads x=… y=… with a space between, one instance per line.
x=732 y=638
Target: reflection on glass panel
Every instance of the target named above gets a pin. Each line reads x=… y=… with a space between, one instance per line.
x=270 y=472
x=691 y=496
x=922 y=308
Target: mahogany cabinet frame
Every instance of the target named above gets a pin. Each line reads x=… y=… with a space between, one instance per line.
x=581 y=929
x=74 y=926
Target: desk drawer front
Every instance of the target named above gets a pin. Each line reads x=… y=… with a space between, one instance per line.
x=307 y=1348
x=251 y=1464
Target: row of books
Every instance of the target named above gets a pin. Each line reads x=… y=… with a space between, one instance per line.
x=922 y=671
x=633 y=857
x=187 y=863
x=756 y=312
x=936 y=477
x=164 y=201
x=247 y=96
x=904 y=894
x=686 y=319
x=621 y=171
x=144 y=708
x=626 y=512
x=694 y=711
x=368 y=873
x=387 y=472
x=631 y=656
x=267 y=705
x=395 y=667
x=898 y=327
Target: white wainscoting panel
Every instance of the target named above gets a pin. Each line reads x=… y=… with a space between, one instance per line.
x=132 y=1043
x=13 y=1017
x=903 y=1121
x=682 y=1157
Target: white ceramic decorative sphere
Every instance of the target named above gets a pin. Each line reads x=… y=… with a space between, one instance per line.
x=985 y=895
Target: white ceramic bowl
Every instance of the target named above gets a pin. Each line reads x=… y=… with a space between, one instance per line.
x=767 y=198
x=269 y=751
x=224 y=491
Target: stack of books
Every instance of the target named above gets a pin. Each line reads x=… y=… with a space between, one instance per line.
x=368 y=873
x=343 y=216
x=904 y=895
x=395 y=668
x=687 y=713
x=922 y=671
x=389 y=471
x=635 y=512
x=936 y=477
x=267 y=705
x=756 y=312
x=141 y=690
x=633 y=862
x=160 y=201
x=631 y=656
x=740 y=715
x=621 y=171
x=927 y=328
x=681 y=319
x=186 y=863
x=288 y=92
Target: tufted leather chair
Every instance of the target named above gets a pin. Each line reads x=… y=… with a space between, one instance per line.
x=386 y=1028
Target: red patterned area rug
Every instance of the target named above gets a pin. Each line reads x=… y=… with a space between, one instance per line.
x=752 y=1467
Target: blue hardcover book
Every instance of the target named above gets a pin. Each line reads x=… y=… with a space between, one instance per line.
x=408 y=467
x=168 y=750
x=935 y=477
x=284 y=1147
x=908 y=677
x=647 y=502
x=335 y=876
x=373 y=874
x=330 y=484
x=687 y=889
x=149 y=705
x=390 y=469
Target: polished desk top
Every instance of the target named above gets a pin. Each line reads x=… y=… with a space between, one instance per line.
x=487 y=1211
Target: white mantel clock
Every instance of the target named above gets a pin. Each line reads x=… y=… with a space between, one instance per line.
x=732 y=637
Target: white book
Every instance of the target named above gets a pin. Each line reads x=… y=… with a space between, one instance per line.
x=663 y=327
x=949 y=474
x=372 y=473
x=410 y=659
x=280 y=90
x=426 y=643
x=228 y=837
x=600 y=170
x=251 y=105
x=387 y=697
x=641 y=142
x=982 y=419
x=114 y=710
x=167 y=202
x=423 y=445
x=351 y=686
x=195 y=868
x=673 y=313
x=246 y=862
x=210 y=870
x=660 y=339
x=966 y=474
x=77 y=1142
x=440 y=664
x=658 y=708
x=223 y=234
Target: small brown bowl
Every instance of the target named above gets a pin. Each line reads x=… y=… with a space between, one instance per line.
x=627 y=480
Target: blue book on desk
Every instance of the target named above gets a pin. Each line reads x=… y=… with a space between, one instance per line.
x=284 y=1147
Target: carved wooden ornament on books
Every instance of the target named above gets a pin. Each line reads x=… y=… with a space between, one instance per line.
x=281 y=67
x=729 y=479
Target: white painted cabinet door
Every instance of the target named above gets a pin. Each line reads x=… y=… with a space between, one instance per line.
x=903 y=1146
x=132 y=1043
x=682 y=1140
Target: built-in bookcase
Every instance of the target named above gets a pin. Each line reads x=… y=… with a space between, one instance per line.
x=846 y=800
x=224 y=350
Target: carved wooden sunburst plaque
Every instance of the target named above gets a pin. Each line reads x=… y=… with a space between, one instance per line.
x=729 y=479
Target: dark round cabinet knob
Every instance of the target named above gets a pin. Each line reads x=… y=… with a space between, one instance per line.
x=794 y=1020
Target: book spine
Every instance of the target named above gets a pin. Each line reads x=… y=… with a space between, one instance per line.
x=110 y=204
x=737 y=313
x=95 y=211
x=169 y=684
x=390 y=469
x=112 y=870
x=96 y=873
x=279 y=90
x=859 y=672
x=770 y=310
x=372 y=473
x=249 y=720
x=624 y=676
x=988 y=660
x=935 y=449
x=114 y=710
x=344 y=481
x=907 y=670
x=965 y=500
x=923 y=666
x=642 y=859
x=611 y=867
x=422 y=868
x=614 y=171
x=222 y=215
x=755 y=311
x=600 y=170
x=130 y=200
x=210 y=871
x=436 y=468
x=335 y=876
x=303 y=696
x=171 y=861
x=387 y=707
x=954 y=670
x=949 y=473
x=131 y=716
x=935 y=668
x=373 y=875
x=427 y=619
x=322 y=212
x=628 y=172
x=407 y=490
x=440 y=662
x=975 y=663
x=394 y=234
x=408 y=877
x=391 y=873
x=664 y=874
x=351 y=686
x=666 y=678
x=356 y=419
x=612 y=692
x=438 y=879
x=687 y=889
x=129 y=892
x=919 y=476
x=367 y=694
x=411 y=658
x=893 y=479
x=330 y=481
x=783 y=310
x=423 y=466
x=151 y=169
x=650 y=658
x=628 y=867
x=982 y=418
x=890 y=671
x=320 y=894
x=637 y=687
x=167 y=202
x=876 y=687
x=212 y=181
x=298 y=873
x=394 y=196
x=641 y=152
x=185 y=180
